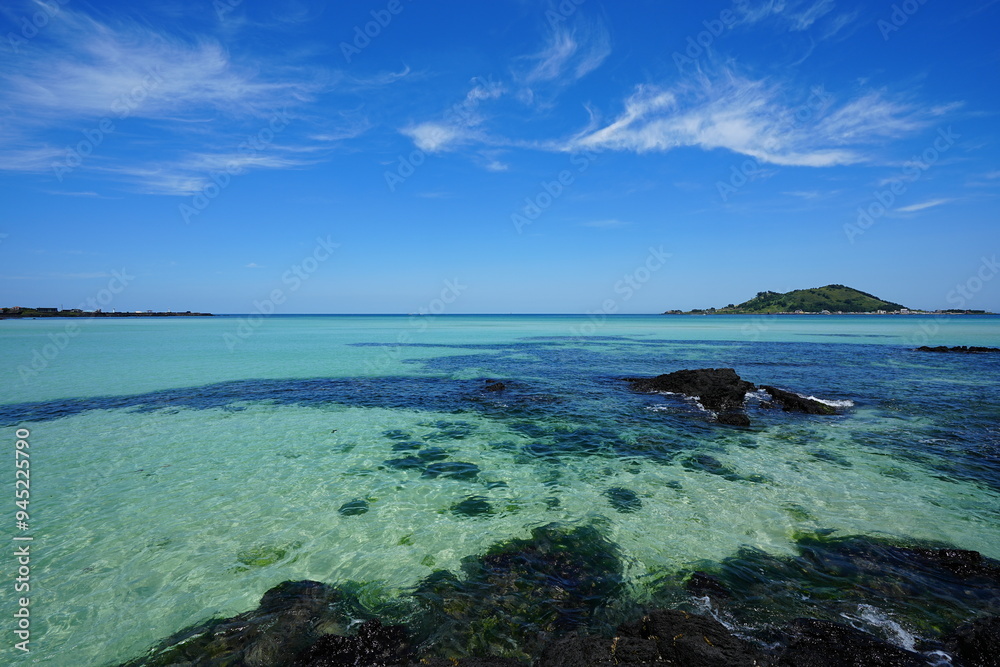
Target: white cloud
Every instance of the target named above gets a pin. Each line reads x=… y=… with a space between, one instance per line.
x=760 y=119
x=435 y=137
x=458 y=123
x=81 y=75
x=913 y=208
x=804 y=19
x=569 y=54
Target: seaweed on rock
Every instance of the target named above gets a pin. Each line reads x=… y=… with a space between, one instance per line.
x=519 y=590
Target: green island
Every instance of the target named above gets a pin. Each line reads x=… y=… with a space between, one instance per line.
x=18 y=312
x=828 y=300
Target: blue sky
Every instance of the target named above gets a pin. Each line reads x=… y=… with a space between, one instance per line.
x=513 y=156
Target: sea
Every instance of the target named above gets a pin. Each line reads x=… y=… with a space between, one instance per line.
x=182 y=466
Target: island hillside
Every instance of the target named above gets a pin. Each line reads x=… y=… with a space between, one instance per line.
x=829 y=299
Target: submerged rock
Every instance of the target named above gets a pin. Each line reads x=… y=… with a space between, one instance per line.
x=623 y=500
x=701 y=584
x=354 y=507
x=495 y=386
x=519 y=591
x=791 y=402
x=287 y=622
x=406 y=463
x=433 y=454
x=472 y=506
x=454 y=469
x=733 y=419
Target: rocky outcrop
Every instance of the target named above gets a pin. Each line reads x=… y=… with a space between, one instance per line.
x=960 y=349
x=790 y=402
x=723 y=392
x=827 y=644
x=663 y=637
x=976 y=644
x=289 y=621
x=547 y=600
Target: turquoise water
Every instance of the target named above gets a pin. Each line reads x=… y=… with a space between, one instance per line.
x=177 y=474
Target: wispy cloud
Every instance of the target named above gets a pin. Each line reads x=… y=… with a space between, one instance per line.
x=758 y=118
x=459 y=124
x=913 y=208
x=804 y=19
x=612 y=223
x=82 y=74
x=569 y=54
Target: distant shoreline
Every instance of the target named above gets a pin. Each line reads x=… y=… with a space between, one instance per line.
x=29 y=314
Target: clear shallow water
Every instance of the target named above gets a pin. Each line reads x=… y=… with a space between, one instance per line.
x=174 y=479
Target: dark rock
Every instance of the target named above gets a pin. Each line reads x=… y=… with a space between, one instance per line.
x=976 y=644
x=409 y=446
x=623 y=500
x=455 y=469
x=711 y=465
x=686 y=639
x=733 y=419
x=433 y=454
x=519 y=592
x=826 y=644
x=406 y=463
x=396 y=434
x=374 y=645
x=960 y=349
x=284 y=625
x=354 y=508
x=663 y=637
x=471 y=662
x=960 y=562
x=702 y=584
x=495 y=386
x=472 y=506
x=720 y=390
x=790 y=402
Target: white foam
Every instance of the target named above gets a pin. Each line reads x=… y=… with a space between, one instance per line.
x=846 y=403
x=875 y=617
